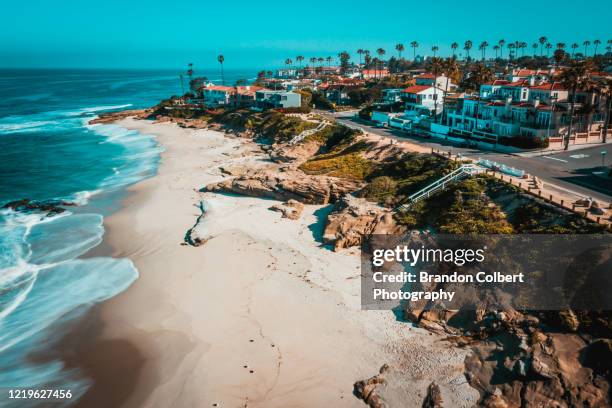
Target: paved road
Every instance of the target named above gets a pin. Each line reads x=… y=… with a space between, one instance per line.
x=571 y=170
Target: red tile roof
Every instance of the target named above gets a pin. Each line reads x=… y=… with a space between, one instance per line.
x=415 y=89
x=557 y=86
x=426 y=75
x=375 y=71
x=498 y=82
x=219 y=88
x=521 y=83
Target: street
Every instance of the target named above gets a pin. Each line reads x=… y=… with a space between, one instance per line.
x=579 y=171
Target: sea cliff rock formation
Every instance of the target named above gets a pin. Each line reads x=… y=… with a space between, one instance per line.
x=354 y=219
x=287 y=185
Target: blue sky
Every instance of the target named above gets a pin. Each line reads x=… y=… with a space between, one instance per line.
x=257 y=34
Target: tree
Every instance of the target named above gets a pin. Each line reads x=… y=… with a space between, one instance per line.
x=380 y=53
x=496 y=49
x=414 y=46
x=573 y=47
x=221 y=60
x=451 y=69
x=561 y=46
x=559 y=56
x=523 y=46
x=329 y=61
x=454 y=47
x=606 y=91
x=400 y=48
x=596 y=44
x=313 y=61
x=479 y=75
x=360 y=52
x=586 y=44
x=467 y=46
x=344 y=61
x=501 y=48
x=483 y=48
x=548 y=46
x=574 y=78
x=435 y=49
x=299 y=59
x=535 y=48
x=511 y=48
x=436 y=66
x=288 y=62
x=542 y=40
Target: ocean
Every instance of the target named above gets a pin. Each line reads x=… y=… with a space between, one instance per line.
x=49 y=152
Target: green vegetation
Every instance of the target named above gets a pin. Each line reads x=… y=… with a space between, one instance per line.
x=344 y=160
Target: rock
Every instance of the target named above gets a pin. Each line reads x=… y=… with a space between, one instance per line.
x=287 y=185
x=353 y=219
x=51 y=207
x=434 y=397
x=291 y=209
x=234 y=170
x=111 y=117
x=295 y=154
x=368 y=390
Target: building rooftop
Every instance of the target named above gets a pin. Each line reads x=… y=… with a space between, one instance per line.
x=415 y=89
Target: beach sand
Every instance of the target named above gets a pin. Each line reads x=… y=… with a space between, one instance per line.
x=261 y=315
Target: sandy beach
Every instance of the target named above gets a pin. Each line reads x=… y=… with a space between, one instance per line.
x=260 y=315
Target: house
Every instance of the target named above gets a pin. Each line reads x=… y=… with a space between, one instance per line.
x=286 y=73
x=441 y=81
x=217 y=95
x=375 y=73
x=548 y=93
x=423 y=99
x=244 y=96
x=267 y=99
x=491 y=89
x=391 y=95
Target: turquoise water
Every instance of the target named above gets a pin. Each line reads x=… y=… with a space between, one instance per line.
x=49 y=152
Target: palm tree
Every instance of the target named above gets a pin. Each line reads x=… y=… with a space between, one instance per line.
x=321 y=59
x=414 y=46
x=454 y=47
x=450 y=69
x=574 y=46
x=501 y=48
x=313 y=61
x=360 y=52
x=299 y=59
x=496 y=49
x=586 y=47
x=435 y=49
x=400 y=48
x=288 y=62
x=511 y=47
x=596 y=43
x=479 y=75
x=542 y=40
x=221 y=60
x=380 y=53
x=483 y=47
x=535 y=48
x=574 y=78
x=606 y=90
x=329 y=61
x=467 y=47
x=437 y=64
x=548 y=46
x=523 y=46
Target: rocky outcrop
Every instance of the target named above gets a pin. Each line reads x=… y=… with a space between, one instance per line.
x=369 y=390
x=354 y=219
x=434 y=397
x=286 y=184
x=51 y=207
x=111 y=117
x=296 y=154
x=291 y=209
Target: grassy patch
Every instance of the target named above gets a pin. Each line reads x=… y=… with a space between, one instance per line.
x=350 y=165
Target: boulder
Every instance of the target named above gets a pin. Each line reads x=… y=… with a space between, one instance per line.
x=354 y=219
x=368 y=390
x=287 y=185
x=291 y=209
x=434 y=396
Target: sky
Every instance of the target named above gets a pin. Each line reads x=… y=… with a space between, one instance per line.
x=257 y=35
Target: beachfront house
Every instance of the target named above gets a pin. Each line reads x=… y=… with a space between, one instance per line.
x=422 y=100
x=269 y=99
x=217 y=95
x=375 y=73
x=441 y=81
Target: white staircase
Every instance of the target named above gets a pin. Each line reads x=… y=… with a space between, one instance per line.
x=297 y=139
x=466 y=170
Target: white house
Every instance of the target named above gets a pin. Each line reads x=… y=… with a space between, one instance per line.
x=215 y=95
x=423 y=99
x=441 y=81
x=277 y=99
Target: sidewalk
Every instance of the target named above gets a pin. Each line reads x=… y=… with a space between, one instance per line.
x=571 y=148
